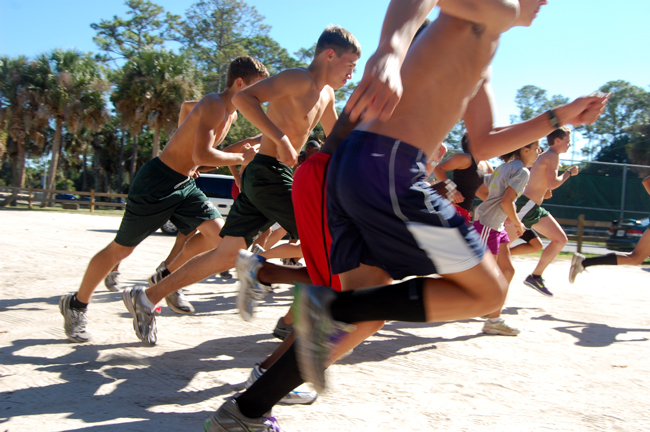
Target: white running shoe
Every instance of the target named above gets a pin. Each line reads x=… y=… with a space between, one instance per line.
x=301 y=395
x=112 y=280
x=499 y=327
x=228 y=418
x=144 y=318
x=75 y=321
x=576 y=266
x=251 y=290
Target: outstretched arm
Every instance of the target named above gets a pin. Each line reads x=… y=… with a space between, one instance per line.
x=646 y=184
x=458 y=161
x=487 y=142
x=380 y=88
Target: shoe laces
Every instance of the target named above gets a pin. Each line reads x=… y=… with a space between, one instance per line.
x=79 y=318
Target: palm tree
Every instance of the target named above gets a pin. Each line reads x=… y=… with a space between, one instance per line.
x=72 y=86
x=20 y=113
x=150 y=90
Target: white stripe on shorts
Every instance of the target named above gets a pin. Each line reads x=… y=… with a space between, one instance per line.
x=526 y=208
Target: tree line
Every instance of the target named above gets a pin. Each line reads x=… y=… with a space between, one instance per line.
x=101 y=116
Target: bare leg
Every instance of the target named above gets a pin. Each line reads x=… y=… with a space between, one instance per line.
x=198 y=268
x=261 y=240
x=549 y=228
x=639 y=254
x=506 y=268
x=274 y=238
x=178 y=246
x=99 y=267
x=271 y=273
x=208 y=238
x=286 y=250
x=535 y=245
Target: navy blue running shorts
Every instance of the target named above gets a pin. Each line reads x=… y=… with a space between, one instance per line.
x=382 y=212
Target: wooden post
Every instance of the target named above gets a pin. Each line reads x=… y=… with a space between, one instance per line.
x=92 y=200
x=581 y=228
x=29 y=200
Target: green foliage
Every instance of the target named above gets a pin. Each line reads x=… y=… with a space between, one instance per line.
x=146 y=28
x=533 y=101
x=455 y=135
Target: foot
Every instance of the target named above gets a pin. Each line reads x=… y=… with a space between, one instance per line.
x=576 y=266
x=144 y=318
x=228 y=418
x=299 y=396
x=499 y=327
x=291 y=262
x=538 y=285
x=251 y=290
x=112 y=280
x=75 y=321
x=257 y=249
x=178 y=303
x=225 y=275
x=282 y=330
x=158 y=275
x=315 y=331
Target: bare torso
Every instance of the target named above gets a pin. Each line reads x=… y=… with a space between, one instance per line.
x=447 y=65
x=178 y=152
x=538 y=183
x=297 y=115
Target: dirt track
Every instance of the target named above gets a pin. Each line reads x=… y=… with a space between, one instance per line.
x=580 y=363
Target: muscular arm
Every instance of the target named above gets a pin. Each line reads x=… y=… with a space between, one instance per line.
x=329 y=117
x=248 y=101
x=487 y=142
x=553 y=179
x=380 y=88
x=206 y=134
x=459 y=161
x=340 y=131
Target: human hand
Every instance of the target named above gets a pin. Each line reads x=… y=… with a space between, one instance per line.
x=379 y=90
x=457 y=197
x=248 y=153
x=286 y=153
x=548 y=194
x=519 y=228
x=574 y=170
x=584 y=110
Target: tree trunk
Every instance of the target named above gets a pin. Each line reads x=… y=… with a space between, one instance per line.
x=54 y=162
x=134 y=158
x=120 y=165
x=17 y=177
x=156 y=142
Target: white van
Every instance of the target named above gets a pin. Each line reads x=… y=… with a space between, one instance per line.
x=218 y=188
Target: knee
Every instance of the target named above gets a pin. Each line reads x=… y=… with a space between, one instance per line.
x=118 y=251
x=508 y=273
x=636 y=259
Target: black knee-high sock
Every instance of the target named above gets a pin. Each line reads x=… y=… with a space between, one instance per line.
x=282 y=377
x=399 y=302
x=609 y=259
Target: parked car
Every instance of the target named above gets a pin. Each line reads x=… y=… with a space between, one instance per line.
x=66 y=196
x=625 y=234
x=218 y=188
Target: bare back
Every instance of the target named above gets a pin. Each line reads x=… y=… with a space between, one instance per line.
x=297 y=113
x=539 y=174
x=441 y=73
x=178 y=153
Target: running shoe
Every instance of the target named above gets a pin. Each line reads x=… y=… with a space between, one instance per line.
x=162 y=266
x=112 y=280
x=251 y=290
x=178 y=303
x=228 y=418
x=144 y=319
x=316 y=331
x=158 y=276
x=291 y=262
x=299 y=396
x=576 y=266
x=75 y=321
x=225 y=274
x=282 y=330
x=257 y=249
x=499 y=327
x=538 y=285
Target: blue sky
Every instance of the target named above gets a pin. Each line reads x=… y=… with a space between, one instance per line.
x=573 y=47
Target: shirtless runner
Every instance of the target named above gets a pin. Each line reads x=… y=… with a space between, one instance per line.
x=298 y=99
x=164 y=189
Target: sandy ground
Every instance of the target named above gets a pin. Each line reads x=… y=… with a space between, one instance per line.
x=580 y=363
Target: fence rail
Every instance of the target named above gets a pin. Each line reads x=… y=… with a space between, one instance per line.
x=32 y=195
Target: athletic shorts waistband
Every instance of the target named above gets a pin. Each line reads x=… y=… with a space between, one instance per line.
x=263 y=159
x=176 y=177
x=406 y=150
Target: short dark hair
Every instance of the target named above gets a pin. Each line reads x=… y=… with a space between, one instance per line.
x=312 y=144
x=506 y=157
x=246 y=68
x=338 y=39
x=424 y=25
x=560 y=133
x=464 y=143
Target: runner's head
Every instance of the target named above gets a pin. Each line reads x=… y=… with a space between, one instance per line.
x=528 y=10
x=244 y=71
x=341 y=51
x=528 y=154
x=559 y=140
